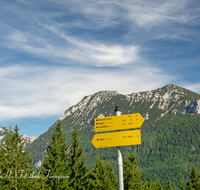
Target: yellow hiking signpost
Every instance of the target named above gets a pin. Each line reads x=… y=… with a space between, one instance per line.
x=128 y=121
x=123 y=138
x=118 y=139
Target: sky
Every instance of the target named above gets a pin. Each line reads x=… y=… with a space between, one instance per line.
x=55 y=52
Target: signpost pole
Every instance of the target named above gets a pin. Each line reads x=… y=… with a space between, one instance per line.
x=119 y=161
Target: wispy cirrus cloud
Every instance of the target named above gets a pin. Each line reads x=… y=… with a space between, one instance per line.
x=49 y=33
x=73 y=49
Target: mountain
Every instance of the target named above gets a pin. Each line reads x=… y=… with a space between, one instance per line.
x=170 y=134
x=3 y=133
x=3 y=136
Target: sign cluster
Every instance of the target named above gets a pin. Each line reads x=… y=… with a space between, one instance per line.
x=115 y=123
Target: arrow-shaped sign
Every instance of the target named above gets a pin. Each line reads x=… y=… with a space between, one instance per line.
x=118 y=122
x=123 y=138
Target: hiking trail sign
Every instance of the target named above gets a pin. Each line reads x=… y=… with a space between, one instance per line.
x=114 y=123
x=123 y=138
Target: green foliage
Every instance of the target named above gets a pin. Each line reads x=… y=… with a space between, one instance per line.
x=102 y=177
x=78 y=171
x=168 y=185
x=16 y=163
x=132 y=174
x=194 y=182
x=158 y=185
x=55 y=162
x=148 y=185
x=182 y=187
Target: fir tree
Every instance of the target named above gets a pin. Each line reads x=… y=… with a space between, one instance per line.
x=154 y=186
x=158 y=185
x=190 y=186
x=168 y=185
x=132 y=175
x=174 y=187
x=78 y=170
x=54 y=164
x=194 y=180
x=17 y=166
x=182 y=187
x=102 y=177
x=148 y=184
x=43 y=179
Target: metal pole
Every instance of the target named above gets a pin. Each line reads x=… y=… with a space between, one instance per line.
x=119 y=161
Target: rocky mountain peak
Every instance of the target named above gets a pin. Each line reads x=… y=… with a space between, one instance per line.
x=29 y=139
x=3 y=135
x=169 y=99
x=89 y=102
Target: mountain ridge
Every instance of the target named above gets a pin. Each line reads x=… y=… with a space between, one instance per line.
x=169 y=134
x=170 y=99
x=174 y=95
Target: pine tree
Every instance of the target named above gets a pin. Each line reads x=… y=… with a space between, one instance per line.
x=182 y=184
x=168 y=185
x=1 y=165
x=190 y=186
x=55 y=162
x=194 y=179
x=154 y=186
x=17 y=166
x=174 y=187
x=194 y=182
x=102 y=177
x=78 y=170
x=132 y=175
x=158 y=185
x=43 y=179
x=148 y=184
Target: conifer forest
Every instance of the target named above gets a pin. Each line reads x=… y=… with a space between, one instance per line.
x=64 y=167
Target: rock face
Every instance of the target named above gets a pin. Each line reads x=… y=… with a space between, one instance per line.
x=28 y=139
x=194 y=107
x=3 y=133
x=38 y=164
x=3 y=136
x=88 y=103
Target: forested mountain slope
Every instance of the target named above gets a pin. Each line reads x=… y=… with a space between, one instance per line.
x=170 y=133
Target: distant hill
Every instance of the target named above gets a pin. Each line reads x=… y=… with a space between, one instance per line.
x=170 y=133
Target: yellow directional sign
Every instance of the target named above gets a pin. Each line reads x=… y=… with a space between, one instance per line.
x=123 y=138
x=118 y=122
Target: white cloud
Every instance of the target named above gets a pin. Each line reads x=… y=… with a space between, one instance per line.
x=91 y=53
x=47 y=32
x=47 y=37
x=146 y=14
x=48 y=91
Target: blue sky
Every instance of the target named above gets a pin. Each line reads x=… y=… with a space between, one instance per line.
x=55 y=52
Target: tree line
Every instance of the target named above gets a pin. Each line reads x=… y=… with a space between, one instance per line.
x=64 y=168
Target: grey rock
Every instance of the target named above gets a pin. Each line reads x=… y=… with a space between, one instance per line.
x=194 y=107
